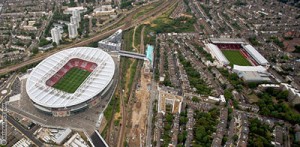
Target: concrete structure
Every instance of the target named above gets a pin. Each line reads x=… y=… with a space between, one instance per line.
x=76 y=14
x=22 y=143
x=104 y=10
x=112 y=43
x=59 y=103
x=169 y=96
x=217 y=54
x=59 y=140
x=74 y=20
x=46 y=47
x=252 y=73
x=255 y=54
x=294 y=94
x=227 y=40
x=264 y=86
x=71 y=9
x=72 y=29
x=56 y=35
x=76 y=141
x=220 y=99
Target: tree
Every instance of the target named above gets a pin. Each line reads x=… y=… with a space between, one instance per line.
x=227 y=94
x=200 y=133
x=235 y=137
x=35 y=50
x=283 y=95
x=195 y=99
x=43 y=42
x=167 y=127
x=54 y=44
x=169 y=117
x=297 y=107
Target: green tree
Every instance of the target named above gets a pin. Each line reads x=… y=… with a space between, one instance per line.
x=35 y=50
x=195 y=99
x=235 y=137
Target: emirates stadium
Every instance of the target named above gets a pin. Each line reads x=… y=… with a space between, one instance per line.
x=71 y=81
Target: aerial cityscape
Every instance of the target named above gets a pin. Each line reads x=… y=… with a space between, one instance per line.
x=150 y=73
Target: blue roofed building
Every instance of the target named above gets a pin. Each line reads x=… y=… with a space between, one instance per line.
x=149 y=53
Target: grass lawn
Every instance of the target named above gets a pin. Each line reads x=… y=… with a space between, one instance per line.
x=72 y=80
x=253 y=98
x=235 y=57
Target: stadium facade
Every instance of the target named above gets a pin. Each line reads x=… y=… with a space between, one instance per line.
x=57 y=102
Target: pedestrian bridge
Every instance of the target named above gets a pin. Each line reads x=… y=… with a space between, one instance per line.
x=132 y=55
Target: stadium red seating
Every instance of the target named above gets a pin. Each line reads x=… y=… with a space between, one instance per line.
x=85 y=65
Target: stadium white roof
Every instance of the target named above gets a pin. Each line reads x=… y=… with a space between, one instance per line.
x=227 y=40
x=217 y=53
x=255 y=54
x=249 y=68
x=252 y=73
x=96 y=82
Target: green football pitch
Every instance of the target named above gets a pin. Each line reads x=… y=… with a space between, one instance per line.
x=72 y=80
x=235 y=57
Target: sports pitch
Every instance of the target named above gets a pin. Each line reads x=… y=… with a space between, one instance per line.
x=72 y=80
x=235 y=57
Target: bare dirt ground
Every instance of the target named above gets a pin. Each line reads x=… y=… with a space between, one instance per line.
x=139 y=113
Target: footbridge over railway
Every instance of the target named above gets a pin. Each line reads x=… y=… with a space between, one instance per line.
x=132 y=55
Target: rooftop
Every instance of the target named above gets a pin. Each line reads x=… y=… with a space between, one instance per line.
x=97 y=81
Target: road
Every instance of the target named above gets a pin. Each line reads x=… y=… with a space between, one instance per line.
x=27 y=133
x=11 y=121
x=6 y=87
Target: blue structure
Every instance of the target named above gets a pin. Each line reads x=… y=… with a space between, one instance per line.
x=149 y=53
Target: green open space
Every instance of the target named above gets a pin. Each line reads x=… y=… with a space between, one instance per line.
x=147 y=9
x=72 y=80
x=235 y=57
x=164 y=24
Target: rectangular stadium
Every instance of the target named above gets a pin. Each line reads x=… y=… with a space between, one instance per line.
x=235 y=51
x=241 y=57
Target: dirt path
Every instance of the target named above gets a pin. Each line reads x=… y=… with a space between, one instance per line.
x=142 y=45
x=133 y=38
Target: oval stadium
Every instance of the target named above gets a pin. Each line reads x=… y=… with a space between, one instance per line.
x=71 y=80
